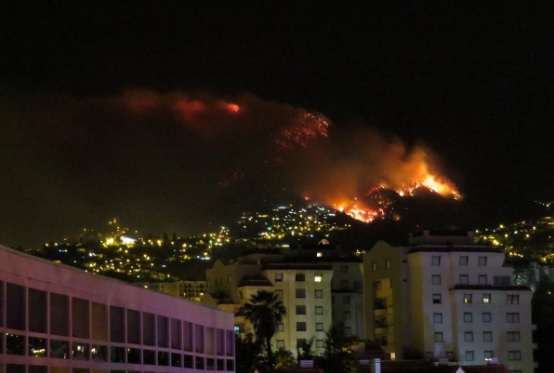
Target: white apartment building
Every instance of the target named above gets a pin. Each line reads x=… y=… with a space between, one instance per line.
x=58 y=319
x=444 y=297
x=305 y=289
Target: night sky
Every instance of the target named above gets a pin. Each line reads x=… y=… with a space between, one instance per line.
x=127 y=108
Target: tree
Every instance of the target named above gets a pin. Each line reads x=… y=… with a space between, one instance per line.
x=246 y=353
x=265 y=310
x=337 y=357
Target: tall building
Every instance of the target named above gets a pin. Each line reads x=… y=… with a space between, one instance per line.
x=58 y=319
x=305 y=289
x=443 y=297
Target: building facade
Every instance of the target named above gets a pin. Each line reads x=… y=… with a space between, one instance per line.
x=191 y=290
x=58 y=319
x=305 y=289
x=445 y=298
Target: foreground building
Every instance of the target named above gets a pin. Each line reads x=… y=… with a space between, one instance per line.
x=58 y=319
x=445 y=298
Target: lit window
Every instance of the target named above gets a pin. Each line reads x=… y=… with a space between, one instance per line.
x=487 y=336
x=482 y=261
x=487 y=317
x=512 y=299
x=319 y=254
x=436 y=260
x=468 y=317
x=318 y=278
x=463 y=260
x=486 y=298
x=436 y=279
x=438 y=337
x=437 y=318
x=468 y=336
x=467 y=298
x=437 y=298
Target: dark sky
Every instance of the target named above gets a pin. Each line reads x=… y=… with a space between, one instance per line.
x=469 y=83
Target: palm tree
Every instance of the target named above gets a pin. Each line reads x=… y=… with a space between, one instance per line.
x=265 y=310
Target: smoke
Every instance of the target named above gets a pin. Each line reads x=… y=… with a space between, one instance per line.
x=175 y=162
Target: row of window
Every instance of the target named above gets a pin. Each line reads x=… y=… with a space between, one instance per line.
x=485 y=298
x=56 y=314
x=462 y=280
x=298 y=277
x=60 y=349
x=280 y=343
x=301 y=293
x=511 y=317
x=469 y=355
x=301 y=310
x=512 y=336
x=462 y=261
x=374 y=265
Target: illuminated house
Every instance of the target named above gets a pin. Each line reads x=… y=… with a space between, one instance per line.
x=58 y=319
x=445 y=298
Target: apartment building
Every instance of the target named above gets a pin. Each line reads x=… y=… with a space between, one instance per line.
x=305 y=288
x=58 y=319
x=191 y=290
x=443 y=297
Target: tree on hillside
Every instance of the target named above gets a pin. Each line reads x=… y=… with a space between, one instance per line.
x=265 y=310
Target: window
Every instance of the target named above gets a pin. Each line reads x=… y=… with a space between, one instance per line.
x=487 y=317
x=280 y=343
x=486 y=298
x=436 y=279
x=512 y=317
x=346 y=315
x=437 y=298
x=346 y=299
x=301 y=326
x=387 y=264
x=438 y=337
x=514 y=355
x=468 y=336
x=463 y=260
x=319 y=327
x=482 y=279
x=319 y=343
x=318 y=293
x=487 y=336
x=437 y=318
x=488 y=354
x=469 y=356
x=467 y=298
x=278 y=277
x=318 y=277
x=468 y=317
x=280 y=327
x=357 y=285
x=464 y=279
x=318 y=310
x=514 y=337
x=300 y=310
x=482 y=261
x=344 y=284
x=450 y=355
x=374 y=266
x=300 y=293
x=502 y=280
x=300 y=277
x=436 y=260
x=377 y=285
x=512 y=299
